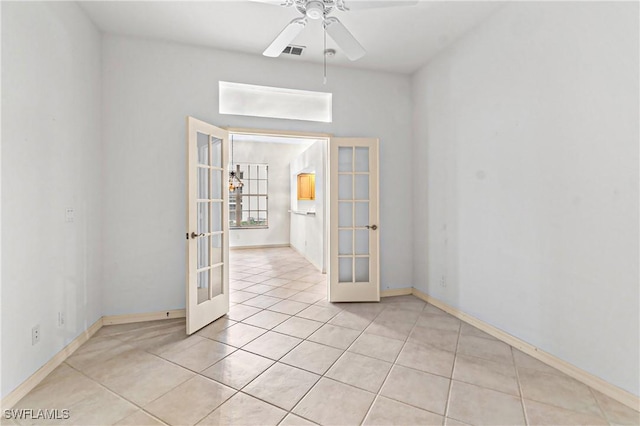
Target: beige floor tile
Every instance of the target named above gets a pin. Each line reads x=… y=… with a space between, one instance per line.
x=293 y=420
x=432 y=309
x=469 y=330
x=238 y=369
x=389 y=412
x=298 y=327
x=276 y=282
x=324 y=303
x=398 y=330
x=313 y=277
x=239 y=334
x=543 y=414
x=523 y=360
x=256 y=279
x=199 y=356
x=190 y=402
x=240 y=312
x=395 y=313
x=102 y=407
x=290 y=307
x=616 y=412
x=293 y=275
x=493 y=350
x=307 y=297
x=298 y=285
x=281 y=292
x=338 y=337
x=452 y=422
x=266 y=319
x=320 y=289
x=244 y=410
x=162 y=328
x=360 y=371
x=351 y=320
x=413 y=387
x=240 y=296
x=406 y=299
x=378 y=347
x=442 y=322
x=427 y=358
x=97 y=350
x=489 y=374
x=143 y=379
x=61 y=389
x=481 y=406
x=312 y=357
x=166 y=342
x=237 y=284
x=260 y=288
x=113 y=330
x=334 y=403
x=282 y=385
x=262 y=301
x=561 y=391
x=442 y=339
x=318 y=313
x=139 y=418
x=272 y=345
x=215 y=327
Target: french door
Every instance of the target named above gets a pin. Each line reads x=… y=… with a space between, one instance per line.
x=207 y=224
x=354 y=259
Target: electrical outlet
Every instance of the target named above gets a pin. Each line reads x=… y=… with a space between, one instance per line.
x=35 y=334
x=443 y=281
x=69 y=215
x=60 y=319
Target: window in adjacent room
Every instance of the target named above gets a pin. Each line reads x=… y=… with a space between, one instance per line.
x=248 y=203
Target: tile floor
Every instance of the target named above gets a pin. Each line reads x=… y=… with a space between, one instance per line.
x=283 y=355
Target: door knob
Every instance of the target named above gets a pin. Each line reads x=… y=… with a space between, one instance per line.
x=194 y=235
x=372 y=227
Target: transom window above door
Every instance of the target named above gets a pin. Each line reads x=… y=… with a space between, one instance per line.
x=249 y=195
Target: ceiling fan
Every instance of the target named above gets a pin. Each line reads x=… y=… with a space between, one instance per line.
x=320 y=9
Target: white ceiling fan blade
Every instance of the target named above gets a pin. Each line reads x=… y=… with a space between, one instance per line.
x=343 y=38
x=375 y=4
x=285 y=3
x=285 y=37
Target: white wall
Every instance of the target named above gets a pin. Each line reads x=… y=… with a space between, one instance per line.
x=308 y=231
x=150 y=87
x=278 y=156
x=526 y=180
x=50 y=161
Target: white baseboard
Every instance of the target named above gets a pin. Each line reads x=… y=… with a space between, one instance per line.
x=149 y=316
x=34 y=380
x=259 y=247
x=396 y=292
x=620 y=395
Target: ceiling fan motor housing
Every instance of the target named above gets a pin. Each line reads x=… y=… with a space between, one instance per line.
x=314 y=9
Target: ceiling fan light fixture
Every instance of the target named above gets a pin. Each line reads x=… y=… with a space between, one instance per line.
x=314 y=9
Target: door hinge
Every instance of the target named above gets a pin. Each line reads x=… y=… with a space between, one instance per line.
x=187 y=235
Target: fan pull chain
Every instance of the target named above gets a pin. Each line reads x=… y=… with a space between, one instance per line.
x=324 y=54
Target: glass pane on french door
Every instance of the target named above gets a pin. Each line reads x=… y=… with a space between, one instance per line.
x=210 y=211
x=353 y=214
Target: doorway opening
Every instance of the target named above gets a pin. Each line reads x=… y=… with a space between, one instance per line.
x=278 y=212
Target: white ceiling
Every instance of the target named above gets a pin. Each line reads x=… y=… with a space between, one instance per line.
x=397 y=39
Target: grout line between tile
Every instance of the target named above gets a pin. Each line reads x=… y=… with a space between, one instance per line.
x=393 y=364
x=522 y=403
x=453 y=368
